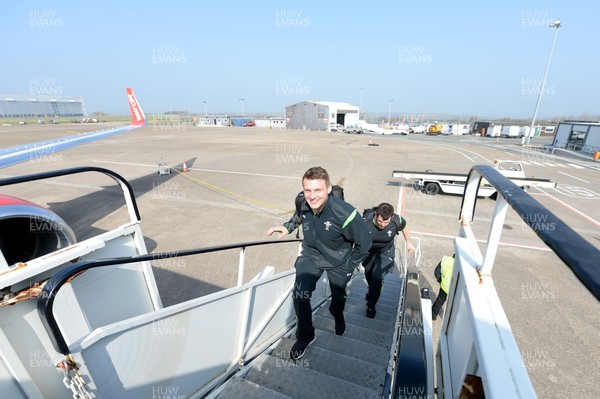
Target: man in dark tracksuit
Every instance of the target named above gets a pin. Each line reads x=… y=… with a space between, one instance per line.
x=336 y=240
x=383 y=225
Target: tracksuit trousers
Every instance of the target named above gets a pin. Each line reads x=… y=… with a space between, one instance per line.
x=307 y=276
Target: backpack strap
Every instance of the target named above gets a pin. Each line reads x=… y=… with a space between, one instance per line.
x=299 y=201
x=399 y=222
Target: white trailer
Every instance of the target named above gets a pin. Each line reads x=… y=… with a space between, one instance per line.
x=432 y=183
x=494 y=131
x=510 y=131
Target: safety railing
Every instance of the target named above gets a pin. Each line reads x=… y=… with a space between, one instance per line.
x=52 y=287
x=476 y=340
x=134 y=214
x=578 y=254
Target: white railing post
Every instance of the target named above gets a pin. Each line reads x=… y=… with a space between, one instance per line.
x=494 y=235
x=240 y=279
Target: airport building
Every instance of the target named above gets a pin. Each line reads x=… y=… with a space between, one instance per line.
x=271 y=123
x=215 y=120
x=31 y=106
x=578 y=136
x=320 y=115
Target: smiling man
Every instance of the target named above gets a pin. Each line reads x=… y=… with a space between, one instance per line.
x=336 y=240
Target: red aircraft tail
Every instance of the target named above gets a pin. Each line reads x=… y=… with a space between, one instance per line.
x=137 y=115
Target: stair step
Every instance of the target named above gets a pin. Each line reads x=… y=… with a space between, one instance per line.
x=241 y=388
x=335 y=364
x=381 y=307
x=362 y=321
x=353 y=331
x=295 y=379
x=388 y=295
x=361 y=310
x=382 y=300
x=351 y=347
x=391 y=283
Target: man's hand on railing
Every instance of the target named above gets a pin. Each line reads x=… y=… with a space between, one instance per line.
x=278 y=229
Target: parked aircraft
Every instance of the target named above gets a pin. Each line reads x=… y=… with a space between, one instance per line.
x=16 y=215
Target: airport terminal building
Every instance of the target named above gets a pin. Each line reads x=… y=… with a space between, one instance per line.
x=320 y=115
x=31 y=106
x=578 y=136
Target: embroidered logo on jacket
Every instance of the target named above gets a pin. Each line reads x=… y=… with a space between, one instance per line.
x=327 y=225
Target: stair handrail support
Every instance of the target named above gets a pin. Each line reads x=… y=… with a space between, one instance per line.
x=476 y=337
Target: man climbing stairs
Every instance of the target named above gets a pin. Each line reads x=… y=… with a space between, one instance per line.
x=354 y=365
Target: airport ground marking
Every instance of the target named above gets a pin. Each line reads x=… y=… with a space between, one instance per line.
x=232 y=192
x=574 y=210
x=203 y=170
x=574 y=177
x=455 y=150
x=217 y=187
x=508 y=244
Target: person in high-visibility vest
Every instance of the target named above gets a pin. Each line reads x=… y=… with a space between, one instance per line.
x=443 y=274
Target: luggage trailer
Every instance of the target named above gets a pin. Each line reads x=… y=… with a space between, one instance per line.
x=432 y=183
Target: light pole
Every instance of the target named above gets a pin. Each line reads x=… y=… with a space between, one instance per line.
x=360 y=101
x=555 y=24
x=242 y=102
x=205 y=113
x=389 y=110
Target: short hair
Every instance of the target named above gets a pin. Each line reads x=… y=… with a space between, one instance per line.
x=385 y=210
x=317 y=173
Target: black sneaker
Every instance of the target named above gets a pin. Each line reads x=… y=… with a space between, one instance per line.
x=371 y=313
x=299 y=348
x=340 y=326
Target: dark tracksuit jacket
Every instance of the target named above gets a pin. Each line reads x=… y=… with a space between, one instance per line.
x=334 y=237
x=336 y=240
x=381 y=255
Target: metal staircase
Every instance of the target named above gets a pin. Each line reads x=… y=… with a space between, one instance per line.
x=353 y=365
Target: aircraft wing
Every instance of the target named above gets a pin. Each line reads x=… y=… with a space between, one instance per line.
x=14 y=155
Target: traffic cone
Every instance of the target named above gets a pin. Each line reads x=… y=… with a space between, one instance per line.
x=185 y=168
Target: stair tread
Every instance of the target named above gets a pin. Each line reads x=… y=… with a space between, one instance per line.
x=294 y=379
x=386 y=299
x=385 y=327
x=361 y=310
x=351 y=369
x=356 y=332
x=241 y=388
x=361 y=303
x=351 y=347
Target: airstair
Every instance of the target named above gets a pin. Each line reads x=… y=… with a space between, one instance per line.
x=354 y=365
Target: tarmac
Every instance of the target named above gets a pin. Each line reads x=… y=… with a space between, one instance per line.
x=242 y=181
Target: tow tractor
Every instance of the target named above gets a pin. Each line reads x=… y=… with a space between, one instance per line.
x=451 y=183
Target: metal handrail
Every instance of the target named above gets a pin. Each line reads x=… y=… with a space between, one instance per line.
x=577 y=253
x=46 y=298
x=132 y=207
x=410 y=370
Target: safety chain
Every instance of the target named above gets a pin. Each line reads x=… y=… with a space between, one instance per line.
x=73 y=379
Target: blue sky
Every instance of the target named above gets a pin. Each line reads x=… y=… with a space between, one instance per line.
x=468 y=58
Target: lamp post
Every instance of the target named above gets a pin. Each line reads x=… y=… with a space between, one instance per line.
x=389 y=110
x=555 y=24
x=242 y=102
x=205 y=113
x=360 y=101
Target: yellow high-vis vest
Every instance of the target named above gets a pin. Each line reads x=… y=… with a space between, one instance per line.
x=447 y=265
